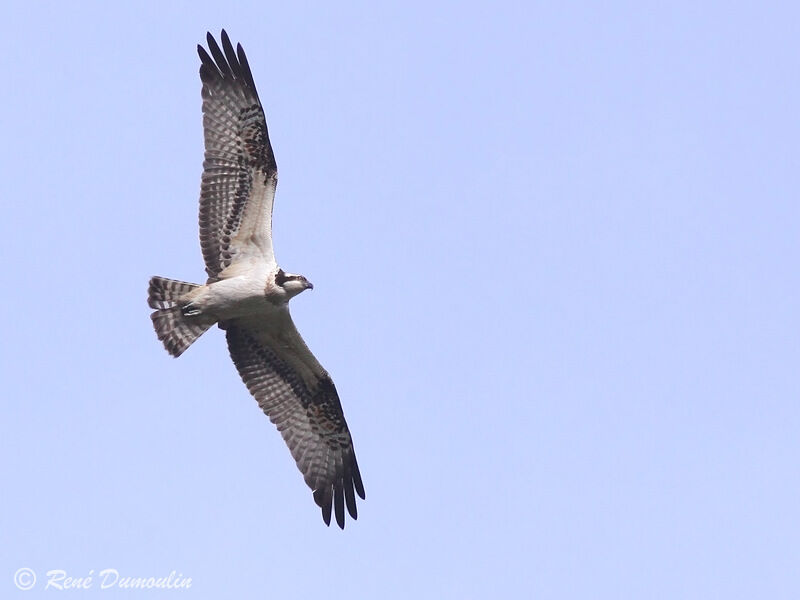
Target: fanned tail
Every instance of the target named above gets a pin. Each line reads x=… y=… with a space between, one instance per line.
x=176 y=330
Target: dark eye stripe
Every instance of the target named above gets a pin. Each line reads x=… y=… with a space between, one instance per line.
x=281 y=278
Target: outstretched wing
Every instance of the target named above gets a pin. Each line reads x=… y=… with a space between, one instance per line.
x=298 y=395
x=239 y=170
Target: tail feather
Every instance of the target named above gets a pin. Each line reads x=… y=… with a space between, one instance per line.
x=166 y=293
x=176 y=330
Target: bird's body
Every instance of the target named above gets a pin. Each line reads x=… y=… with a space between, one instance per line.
x=243 y=295
x=247 y=294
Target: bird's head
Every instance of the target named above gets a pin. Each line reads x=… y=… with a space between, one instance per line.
x=292 y=284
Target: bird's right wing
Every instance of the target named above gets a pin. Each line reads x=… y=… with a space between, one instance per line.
x=298 y=395
x=239 y=170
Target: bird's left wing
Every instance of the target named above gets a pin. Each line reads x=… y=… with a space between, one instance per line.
x=298 y=395
x=239 y=170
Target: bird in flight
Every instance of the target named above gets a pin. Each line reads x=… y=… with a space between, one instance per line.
x=247 y=294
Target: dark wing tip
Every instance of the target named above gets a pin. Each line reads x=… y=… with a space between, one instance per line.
x=227 y=63
x=205 y=59
x=211 y=40
x=322 y=497
x=209 y=72
x=357 y=480
x=349 y=496
x=226 y=41
x=338 y=502
x=245 y=69
x=230 y=55
x=332 y=499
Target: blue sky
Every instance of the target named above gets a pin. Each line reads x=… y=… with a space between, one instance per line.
x=555 y=256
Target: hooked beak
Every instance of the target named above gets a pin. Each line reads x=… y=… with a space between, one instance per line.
x=309 y=285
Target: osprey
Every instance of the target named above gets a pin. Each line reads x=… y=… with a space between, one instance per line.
x=247 y=294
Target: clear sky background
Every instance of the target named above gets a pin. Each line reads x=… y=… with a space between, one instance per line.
x=555 y=256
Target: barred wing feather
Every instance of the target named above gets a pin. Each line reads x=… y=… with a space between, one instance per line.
x=299 y=397
x=239 y=170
